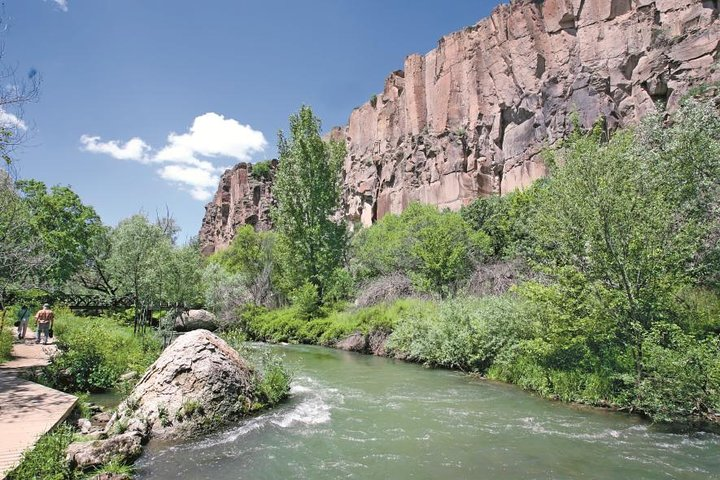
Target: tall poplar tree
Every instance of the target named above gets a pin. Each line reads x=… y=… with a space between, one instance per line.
x=308 y=190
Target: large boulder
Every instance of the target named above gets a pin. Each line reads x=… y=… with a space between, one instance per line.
x=198 y=382
x=124 y=448
x=196 y=320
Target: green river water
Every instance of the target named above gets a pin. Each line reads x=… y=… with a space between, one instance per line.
x=363 y=417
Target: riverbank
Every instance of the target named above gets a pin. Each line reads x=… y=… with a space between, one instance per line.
x=101 y=355
x=501 y=338
x=365 y=417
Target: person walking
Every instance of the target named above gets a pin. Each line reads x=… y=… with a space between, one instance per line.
x=22 y=317
x=45 y=319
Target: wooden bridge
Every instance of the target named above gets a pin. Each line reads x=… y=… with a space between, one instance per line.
x=100 y=302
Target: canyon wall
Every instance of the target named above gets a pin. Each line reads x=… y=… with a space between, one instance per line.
x=241 y=199
x=470 y=117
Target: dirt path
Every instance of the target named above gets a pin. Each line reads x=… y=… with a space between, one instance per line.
x=27 y=409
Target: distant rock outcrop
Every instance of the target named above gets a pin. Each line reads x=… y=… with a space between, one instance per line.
x=469 y=118
x=241 y=199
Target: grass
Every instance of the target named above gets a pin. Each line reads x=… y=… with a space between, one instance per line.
x=286 y=325
x=47 y=460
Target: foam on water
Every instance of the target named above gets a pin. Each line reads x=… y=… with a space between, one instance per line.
x=310 y=404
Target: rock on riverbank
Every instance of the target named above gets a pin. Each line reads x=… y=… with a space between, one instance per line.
x=198 y=381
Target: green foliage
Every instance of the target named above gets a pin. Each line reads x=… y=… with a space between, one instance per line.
x=373 y=100
x=340 y=287
x=681 y=376
x=189 y=409
x=504 y=219
x=444 y=251
x=138 y=248
x=261 y=171
x=95 y=352
x=436 y=249
x=625 y=230
x=280 y=325
x=114 y=467
x=47 y=460
x=179 y=270
x=245 y=253
x=287 y=325
x=273 y=385
x=272 y=379
x=463 y=333
x=6 y=342
x=306 y=301
x=308 y=191
x=66 y=226
x=250 y=260
x=22 y=254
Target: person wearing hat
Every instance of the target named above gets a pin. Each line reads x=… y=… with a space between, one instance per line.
x=45 y=319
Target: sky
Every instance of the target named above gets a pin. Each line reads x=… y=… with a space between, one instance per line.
x=143 y=103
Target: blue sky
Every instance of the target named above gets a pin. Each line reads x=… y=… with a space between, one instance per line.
x=143 y=102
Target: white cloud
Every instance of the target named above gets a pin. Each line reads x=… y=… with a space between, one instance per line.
x=9 y=120
x=62 y=4
x=187 y=156
x=213 y=135
x=134 y=149
x=198 y=181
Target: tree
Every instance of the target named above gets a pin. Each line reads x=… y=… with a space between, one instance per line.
x=311 y=239
x=438 y=250
x=181 y=271
x=615 y=224
x=250 y=255
x=67 y=227
x=139 y=250
x=96 y=274
x=22 y=255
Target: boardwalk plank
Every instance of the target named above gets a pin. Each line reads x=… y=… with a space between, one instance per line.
x=27 y=409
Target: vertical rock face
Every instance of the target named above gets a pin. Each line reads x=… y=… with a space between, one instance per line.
x=241 y=199
x=470 y=118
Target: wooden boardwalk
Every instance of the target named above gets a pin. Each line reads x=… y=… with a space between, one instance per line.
x=27 y=409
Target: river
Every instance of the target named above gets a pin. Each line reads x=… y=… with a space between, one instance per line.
x=363 y=417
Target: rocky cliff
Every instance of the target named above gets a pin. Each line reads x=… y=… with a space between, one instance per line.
x=470 y=117
x=241 y=199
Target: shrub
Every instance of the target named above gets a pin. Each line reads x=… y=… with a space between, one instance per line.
x=463 y=333
x=339 y=287
x=225 y=292
x=681 y=376
x=287 y=325
x=274 y=381
x=436 y=249
x=6 y=343
x=306 y=300
x=261 y=171
x=385 y=289
x=373 y=100
x=95 y=352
